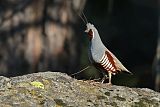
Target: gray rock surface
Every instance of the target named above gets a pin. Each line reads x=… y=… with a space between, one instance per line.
x=55 y=89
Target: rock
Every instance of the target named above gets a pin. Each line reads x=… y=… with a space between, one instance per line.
x=55 y=89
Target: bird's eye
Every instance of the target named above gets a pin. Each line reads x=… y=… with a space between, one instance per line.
x=90 y=33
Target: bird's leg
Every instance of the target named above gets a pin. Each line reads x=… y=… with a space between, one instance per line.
x=110 y=75
x=104 y=78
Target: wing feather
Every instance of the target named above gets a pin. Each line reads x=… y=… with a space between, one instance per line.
x=118 y=64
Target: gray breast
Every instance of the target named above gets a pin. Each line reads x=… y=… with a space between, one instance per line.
x=96 y=47
x=95 y=53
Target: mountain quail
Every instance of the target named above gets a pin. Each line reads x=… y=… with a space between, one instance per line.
x=100 y=56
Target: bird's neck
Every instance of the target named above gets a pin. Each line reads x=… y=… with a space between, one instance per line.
x=96 y=41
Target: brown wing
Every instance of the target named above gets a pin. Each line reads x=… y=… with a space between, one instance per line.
x=118 y=64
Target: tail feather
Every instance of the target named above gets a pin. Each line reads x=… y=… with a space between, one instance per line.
x=119 y=65
x=127 y=71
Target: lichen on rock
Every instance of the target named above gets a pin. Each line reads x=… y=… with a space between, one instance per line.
x=51 y=89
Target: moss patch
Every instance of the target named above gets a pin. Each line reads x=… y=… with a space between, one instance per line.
x=101 y=97
x=60 y=102
x=119 y=98
x=113 y=104
x=144 y=102
x=107 y=93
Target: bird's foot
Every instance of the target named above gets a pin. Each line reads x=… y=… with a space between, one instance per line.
x=94 y=81
x=104 y=78
x=109 y=84
x=102 y=81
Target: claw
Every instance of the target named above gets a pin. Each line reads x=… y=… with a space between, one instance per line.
x=109 y=84
x=104 y=78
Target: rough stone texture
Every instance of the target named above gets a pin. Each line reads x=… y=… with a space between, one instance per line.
x=54 y=89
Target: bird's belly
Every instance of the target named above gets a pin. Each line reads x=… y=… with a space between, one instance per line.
x=90 y=57
x=94 y=55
